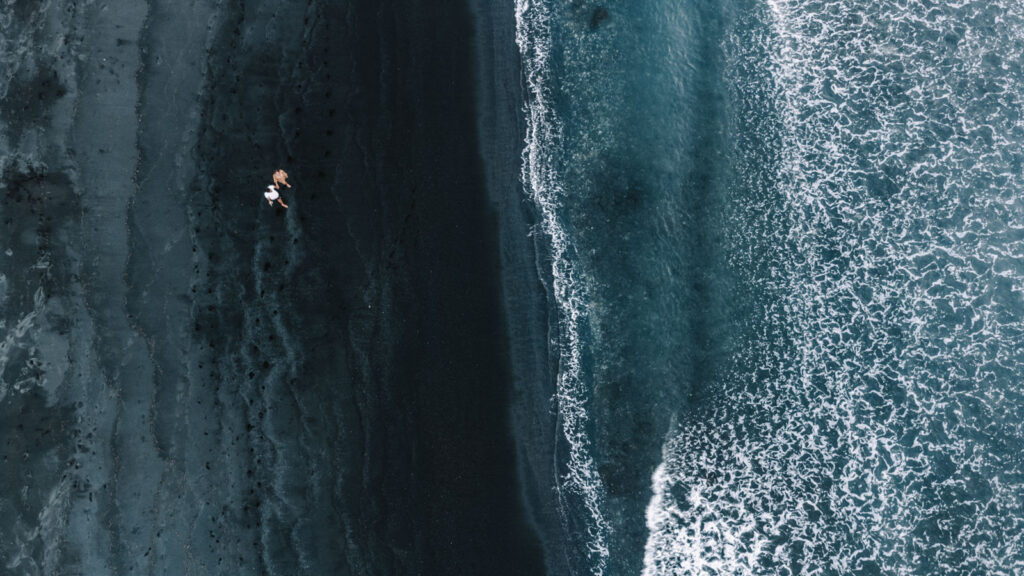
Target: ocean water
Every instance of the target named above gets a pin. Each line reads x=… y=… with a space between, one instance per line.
x=786 y=242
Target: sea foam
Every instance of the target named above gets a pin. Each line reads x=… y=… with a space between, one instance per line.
x=542 y=182
x=884 y=439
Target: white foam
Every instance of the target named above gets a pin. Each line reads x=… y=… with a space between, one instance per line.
x=542 y=182
x=885 y=439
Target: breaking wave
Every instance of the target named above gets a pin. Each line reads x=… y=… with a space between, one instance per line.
x=880 y=430
x=542 y=183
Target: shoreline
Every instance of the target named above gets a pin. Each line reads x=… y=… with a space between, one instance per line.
x=446 y=382
x=527 y=302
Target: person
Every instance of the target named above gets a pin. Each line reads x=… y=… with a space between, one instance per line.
x=271 y=194
x=281 y=177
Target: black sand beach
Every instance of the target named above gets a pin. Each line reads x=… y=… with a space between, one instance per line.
x=199 y=383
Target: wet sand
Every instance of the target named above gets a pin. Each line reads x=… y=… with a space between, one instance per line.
x=203 y=384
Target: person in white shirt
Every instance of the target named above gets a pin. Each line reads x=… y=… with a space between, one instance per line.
x=271 y=194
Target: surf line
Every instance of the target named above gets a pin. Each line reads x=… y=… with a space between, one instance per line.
x=540 y=177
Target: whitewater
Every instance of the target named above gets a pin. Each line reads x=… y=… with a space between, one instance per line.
x=787 y=243
x=542 y=180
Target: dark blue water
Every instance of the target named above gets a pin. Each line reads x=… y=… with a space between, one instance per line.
x=788 y=247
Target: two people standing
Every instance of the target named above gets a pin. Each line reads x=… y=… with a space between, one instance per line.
x=280 y=177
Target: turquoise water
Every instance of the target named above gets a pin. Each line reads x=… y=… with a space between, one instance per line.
x=787 y=239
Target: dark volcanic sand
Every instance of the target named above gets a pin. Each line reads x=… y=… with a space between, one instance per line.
x=197 y=383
